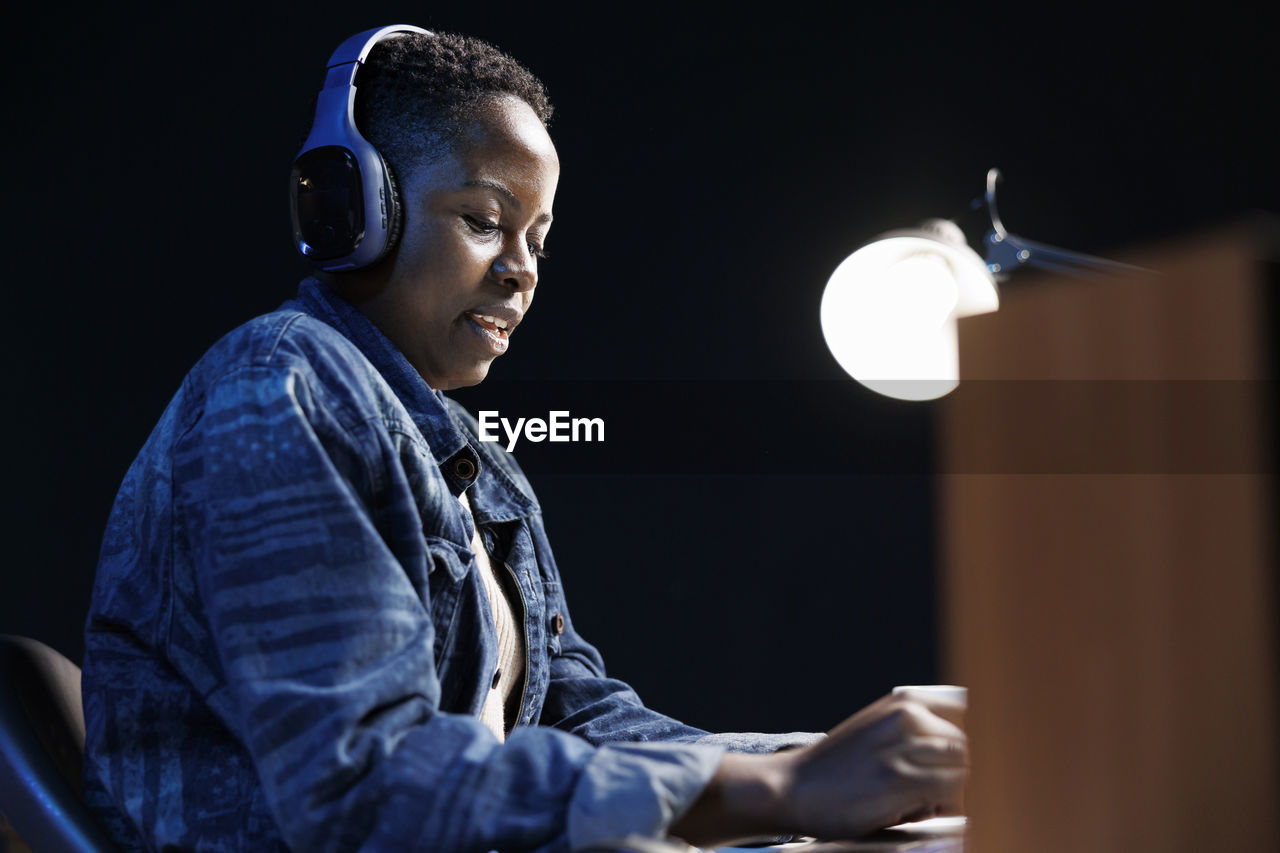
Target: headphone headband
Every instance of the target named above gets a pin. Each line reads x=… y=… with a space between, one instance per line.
x=357 y=47
x=343 y=202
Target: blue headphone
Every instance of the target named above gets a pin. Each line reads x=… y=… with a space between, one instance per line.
x=343 y=199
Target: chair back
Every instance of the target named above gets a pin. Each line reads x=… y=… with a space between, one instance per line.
x=41 y=750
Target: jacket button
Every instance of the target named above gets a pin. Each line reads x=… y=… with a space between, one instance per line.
x=464 y=468
x=557 y=623
x=497 y=677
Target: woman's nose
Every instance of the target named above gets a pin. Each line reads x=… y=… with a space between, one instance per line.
x=516 y=269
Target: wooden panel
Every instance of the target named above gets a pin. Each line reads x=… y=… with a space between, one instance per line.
x=1109 y=559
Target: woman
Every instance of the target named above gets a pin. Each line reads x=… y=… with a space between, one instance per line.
x=327 y=616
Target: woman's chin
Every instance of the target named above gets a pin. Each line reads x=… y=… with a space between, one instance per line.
x=465 y=378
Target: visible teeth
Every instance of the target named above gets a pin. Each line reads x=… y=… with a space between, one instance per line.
x=496 y=321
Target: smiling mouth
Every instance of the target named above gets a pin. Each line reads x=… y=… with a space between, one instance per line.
x=493 y=324
x=487 y=330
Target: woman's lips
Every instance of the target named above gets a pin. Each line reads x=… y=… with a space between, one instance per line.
x=494 y=324
x=493 y=336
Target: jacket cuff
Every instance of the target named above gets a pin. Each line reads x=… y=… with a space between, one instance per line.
x=638 y=789
x=760 y=743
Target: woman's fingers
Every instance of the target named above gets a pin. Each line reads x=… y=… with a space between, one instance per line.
x=933 y=751
x=904 y=717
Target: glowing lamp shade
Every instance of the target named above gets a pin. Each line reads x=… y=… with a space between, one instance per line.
x=889 y=310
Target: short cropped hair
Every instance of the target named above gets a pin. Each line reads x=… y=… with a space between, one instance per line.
x=416 y=94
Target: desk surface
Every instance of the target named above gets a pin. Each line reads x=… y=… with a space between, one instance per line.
x=939 y=835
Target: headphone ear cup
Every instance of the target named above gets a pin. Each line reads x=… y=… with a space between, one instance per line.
x=395 y=214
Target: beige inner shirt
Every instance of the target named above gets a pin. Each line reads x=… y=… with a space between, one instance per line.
x=501 y=705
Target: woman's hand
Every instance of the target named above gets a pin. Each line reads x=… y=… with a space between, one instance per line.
x=902 y=758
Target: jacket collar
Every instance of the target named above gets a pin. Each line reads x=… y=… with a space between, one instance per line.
x=497 y=495
x=428 y=408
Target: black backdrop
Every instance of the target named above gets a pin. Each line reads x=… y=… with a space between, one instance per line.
x=756 y=550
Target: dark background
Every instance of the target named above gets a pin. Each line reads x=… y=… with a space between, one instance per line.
x=717 y=166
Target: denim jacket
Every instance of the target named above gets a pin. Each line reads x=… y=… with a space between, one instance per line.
x=288 y=644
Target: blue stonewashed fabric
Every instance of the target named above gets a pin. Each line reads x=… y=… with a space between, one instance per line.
x=288 y=645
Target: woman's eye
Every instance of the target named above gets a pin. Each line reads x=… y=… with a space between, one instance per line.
x=480 y=226
x=484 y=226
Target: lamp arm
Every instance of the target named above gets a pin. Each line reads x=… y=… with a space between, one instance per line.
x=1006 y=252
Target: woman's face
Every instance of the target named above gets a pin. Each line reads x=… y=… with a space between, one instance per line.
x=475 y=222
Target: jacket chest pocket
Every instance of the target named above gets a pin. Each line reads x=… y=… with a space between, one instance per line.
x=446 y=572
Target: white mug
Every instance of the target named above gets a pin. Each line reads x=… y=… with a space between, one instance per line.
x=951 y=692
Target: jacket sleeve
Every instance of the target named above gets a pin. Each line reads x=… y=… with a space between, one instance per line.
x=326 y=648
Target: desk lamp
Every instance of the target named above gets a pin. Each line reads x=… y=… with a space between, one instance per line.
x=889 y=310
